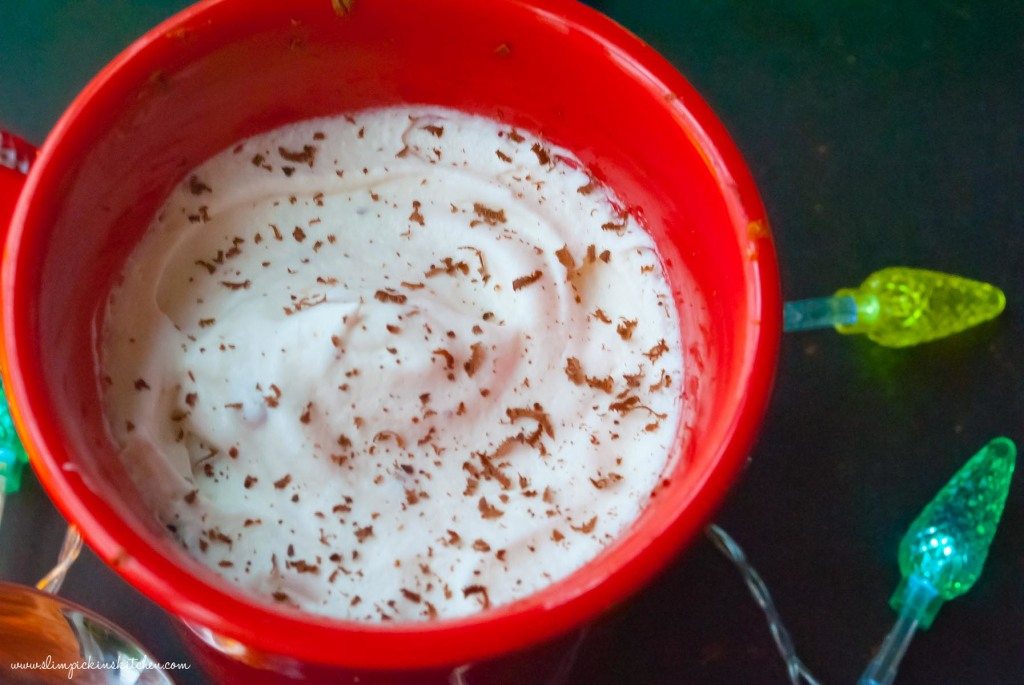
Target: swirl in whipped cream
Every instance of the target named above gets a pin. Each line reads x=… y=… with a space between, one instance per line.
x=400 y=365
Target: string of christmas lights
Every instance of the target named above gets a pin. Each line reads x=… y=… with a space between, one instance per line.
x=942 y=553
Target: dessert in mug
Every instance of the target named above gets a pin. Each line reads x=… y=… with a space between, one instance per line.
x=403 y=364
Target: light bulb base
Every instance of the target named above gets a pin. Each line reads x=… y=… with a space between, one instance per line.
x=917 y=598
x=867 y=307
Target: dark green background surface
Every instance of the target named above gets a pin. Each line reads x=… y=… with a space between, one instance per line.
x=880 y=133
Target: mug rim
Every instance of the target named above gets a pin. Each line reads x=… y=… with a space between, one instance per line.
x=533 y=619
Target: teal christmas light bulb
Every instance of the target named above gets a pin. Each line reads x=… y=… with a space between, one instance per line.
x=900 y=307
x=12 y=453
x=947 y=544
x=944 y=550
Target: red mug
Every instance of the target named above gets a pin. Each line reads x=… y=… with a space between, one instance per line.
x=224 y=70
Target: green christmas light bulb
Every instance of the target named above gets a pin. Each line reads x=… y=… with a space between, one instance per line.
x=942 y=553
x=12 y=454
x=900 y=306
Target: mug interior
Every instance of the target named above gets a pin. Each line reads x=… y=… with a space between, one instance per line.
x=228 y=69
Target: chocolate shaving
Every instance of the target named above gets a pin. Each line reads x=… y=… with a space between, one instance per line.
x=524 y=281
x=663 y=382
x=416 y=215
x=197 y=187
x=476 y=360
x=633 y=379
x=216 y=536
x=449 y=267
x=363 y=533
x=306 y=303
x=655 y=352
x=283 y=482
x=587 y=527
x=389 y=295
x=390 y=435
x=302 y=566
x=237 y=285
x=203 y=215
x=250 y=481
x=492 y=472
x=542 y=154
x=605 y=481
x=619 y=227
x=491 y=217
x=307 y=414
x=259 y=160
x=449 y=360
x=487 y=510
x=299 y=234
x=141 y=384
x=574 y=370
x=485 y=275
x=625 y=329
x=536 y=413
x=601 y=316
x=271 y=400
x=411 y=596
x=478 y=590
x=307 y=155
x=481 y=545
x=502 y=156
x=436 y=131
x=565 y=257
x=630 y=404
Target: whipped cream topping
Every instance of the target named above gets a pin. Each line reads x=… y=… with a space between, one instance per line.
x=398 y=365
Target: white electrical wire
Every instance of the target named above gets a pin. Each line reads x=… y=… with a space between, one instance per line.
x=795 y=668
x=69 y=551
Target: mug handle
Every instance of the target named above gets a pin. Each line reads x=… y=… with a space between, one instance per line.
x=16 y=156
